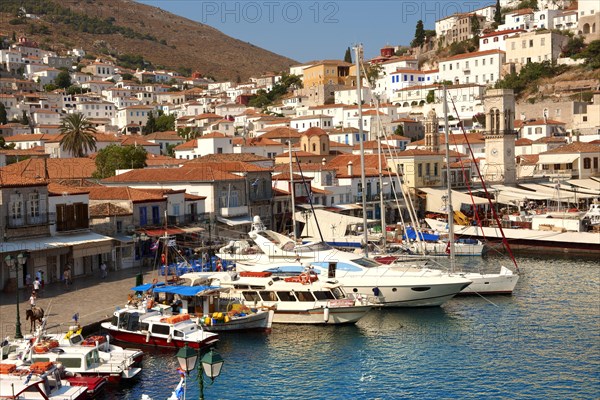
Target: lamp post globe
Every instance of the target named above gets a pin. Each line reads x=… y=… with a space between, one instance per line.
x=212 y=362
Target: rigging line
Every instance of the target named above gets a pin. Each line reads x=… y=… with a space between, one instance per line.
x=504 y=241
x=310 y=200
x=464 y=172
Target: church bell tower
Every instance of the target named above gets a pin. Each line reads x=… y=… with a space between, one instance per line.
x=500 y=136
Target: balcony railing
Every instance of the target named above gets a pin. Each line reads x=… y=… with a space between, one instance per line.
x=27 y=220
x=233 y=211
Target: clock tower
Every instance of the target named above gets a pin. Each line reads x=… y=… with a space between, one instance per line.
x=500 y=136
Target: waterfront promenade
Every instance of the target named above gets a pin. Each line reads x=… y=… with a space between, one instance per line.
x=91 y=296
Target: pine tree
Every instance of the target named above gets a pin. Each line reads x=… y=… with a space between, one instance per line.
x=419 y=35
x=498 y=13
x=150 y=124
x=25 y=118
x=348 y=56
x=3 y=118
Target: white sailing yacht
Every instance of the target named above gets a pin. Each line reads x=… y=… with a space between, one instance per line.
x=503 y=282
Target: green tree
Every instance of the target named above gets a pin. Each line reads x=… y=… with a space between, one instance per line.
x=24 y=118
x=573 y=46
x=3 y=144
x=419 y=35
x=78 y=135
x=430 y=97
x=114 y=157
x=50 y=87
x=3 y=115
x=150 y=124
x=170 y=150
x=475 y=25
x=498 y=13
x=165 y=122
x=591 y=55
x=348 y=56
x=399 y=130
x=14 y=36
x=63 y=80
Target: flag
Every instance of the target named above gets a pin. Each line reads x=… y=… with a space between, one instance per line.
x=179 y=389
x=172 y=242
x=154 y=246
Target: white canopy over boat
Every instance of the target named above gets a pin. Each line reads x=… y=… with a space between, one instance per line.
x=435 y=200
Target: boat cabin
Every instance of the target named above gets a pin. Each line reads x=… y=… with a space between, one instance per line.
x=154 y=323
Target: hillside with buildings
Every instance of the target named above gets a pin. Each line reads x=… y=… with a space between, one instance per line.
x=128 y=28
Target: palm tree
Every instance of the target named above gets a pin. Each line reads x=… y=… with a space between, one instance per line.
x=78 y=134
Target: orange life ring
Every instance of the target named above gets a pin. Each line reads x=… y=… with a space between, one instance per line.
x=163 y=259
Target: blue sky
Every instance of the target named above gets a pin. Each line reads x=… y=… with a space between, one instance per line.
x=310 y=30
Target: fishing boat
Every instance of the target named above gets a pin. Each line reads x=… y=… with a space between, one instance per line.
x=37 y=381
x=157 y=327
x=213 y=308
x=93 y=356
x=300 y=299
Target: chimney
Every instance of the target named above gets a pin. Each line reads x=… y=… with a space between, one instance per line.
x=350 y=169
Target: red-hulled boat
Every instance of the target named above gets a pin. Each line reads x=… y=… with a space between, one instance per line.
x=151 y=328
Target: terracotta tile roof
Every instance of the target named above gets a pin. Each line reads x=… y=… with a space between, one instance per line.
x=455 y=139
x=193 y=197
x=528 y=159
x=575 y=147
x=281 y=132
x=8 y=179
x=551 y=139
x=243 y=157
x=56 y=189
x=29 y=137
x=306 y=117
x=136 y=140
x=520 y=123
x=189 y=145
x=228 y=166
x=66 y=168
x=504 y=32
x=523 y=142
x=285 y=176
x=300 y=154
x=333 y=145
x=417 y=152
x=408 y=120
x=213 y=135
x=165 y=175
x=33 y=151
x=104 y=210
x=340 y=163
x=208 y=116
x=306 y=167
x=473 y=54
x=314 y=131
x=123 y=193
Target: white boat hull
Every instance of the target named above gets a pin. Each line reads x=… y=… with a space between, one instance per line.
x=322 y=316
x=428 y=292
x=441 y=248
x=502 y=283
x=259 y=321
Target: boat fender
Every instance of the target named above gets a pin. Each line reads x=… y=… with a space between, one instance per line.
x=227 y=319
x=147 y=336
x=169 y=338
x=326 y=314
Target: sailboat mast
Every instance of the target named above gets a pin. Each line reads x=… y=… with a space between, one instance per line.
x=381 y=200
x=292 y=191
x=449 y=208
x=358 y=50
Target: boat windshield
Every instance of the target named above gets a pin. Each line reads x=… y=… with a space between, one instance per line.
x=365 y=262
x=317 y=246
x=338 y=293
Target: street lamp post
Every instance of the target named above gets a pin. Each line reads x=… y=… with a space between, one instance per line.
x=212 y=362
x=12 y=264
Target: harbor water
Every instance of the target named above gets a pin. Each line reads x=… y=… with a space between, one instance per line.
x=542 y=342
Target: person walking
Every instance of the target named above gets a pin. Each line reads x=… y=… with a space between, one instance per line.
x=103 y=270
x=67 y=277
x=37 y=285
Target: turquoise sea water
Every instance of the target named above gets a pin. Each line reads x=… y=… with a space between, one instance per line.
x=542 y=342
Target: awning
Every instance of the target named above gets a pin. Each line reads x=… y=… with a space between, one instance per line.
x=558 y=158
x=87 y=243
x=162 y=231
x=147 y=286
x=235 y=221
x=350 y=206
x=193 y=229
x=435 y=200
x=123 y=238
x=184 y=290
